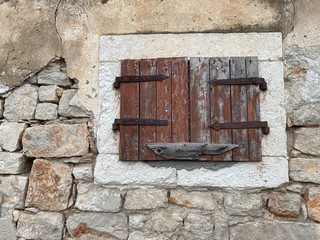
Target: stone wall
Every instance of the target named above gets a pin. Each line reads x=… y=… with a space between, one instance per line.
x=49 y=108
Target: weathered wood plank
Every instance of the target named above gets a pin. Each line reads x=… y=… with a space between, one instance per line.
x=254 y=135
x=239 y=109
x=189 y=151
x=129 y=108
x=148 y=109
x=164 y=101
x=180 y=103
x=220 y=105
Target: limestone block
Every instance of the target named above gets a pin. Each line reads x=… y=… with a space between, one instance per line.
x=99 y=199
x=49 y=186
x=83 y=171
x=65 y=107
x=21 y=103
x=285 y=204
x=137 y=221
x=307 y=140
x=198 y=226
x=136 y=236
x=53 y=74
x=50 y=93
x=145 y=199
x=41 y=225
x=313 y=203
x=10 y=135
x=275 y=230
x=46 y=111
x=304 y=170
x=98 y=226
x=1 y=107
x=307 y=115
x=13 y=163
x=7 y=228
x=56 y=140
x=202 y=200
x=243 y=204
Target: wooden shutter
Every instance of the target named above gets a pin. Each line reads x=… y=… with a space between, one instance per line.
x=191 y=100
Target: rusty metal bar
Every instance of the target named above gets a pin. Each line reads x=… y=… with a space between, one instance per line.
x=242 y=125
x=137 y=121
x=142 y=78
x=242 y=81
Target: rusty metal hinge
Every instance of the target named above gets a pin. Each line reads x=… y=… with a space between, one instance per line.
x=137 y=121
x=142 y=78
x=242 y=81
x=242 y=125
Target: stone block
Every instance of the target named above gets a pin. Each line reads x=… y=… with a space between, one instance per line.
x=56 y=140
x=305 y=169
x=13 y=163
x=7 y=228
x=83 y=171
x=50 y=93
x=198 y=226
x=10 y=135
x=202 y=200
x=98 y=226
x=145 y=199
x=275 y=230
x=65 y=107
x=46 y=111
x=243 y=204
x=306 y=115
x=307 y=140
x=53 y=74
x=41 y=225
x=285 y=204
x=313 y=203
x=1 y=107
x=99 y=199
x=137 y=221
x=49 y=186
x=21 y=103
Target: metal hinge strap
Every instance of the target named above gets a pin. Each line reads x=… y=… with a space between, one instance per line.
x=242 y=125
x=242 y=81
x=142 y=78
x=137 y=121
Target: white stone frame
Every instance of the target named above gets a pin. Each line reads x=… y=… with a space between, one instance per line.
x=271 y=172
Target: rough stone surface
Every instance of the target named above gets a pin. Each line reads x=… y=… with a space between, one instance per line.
x=41 y=225
x=98 y=199
x=21 y=103
x=50 y=93
x=145 y=199
x=275 y=230
x=137 y=221
x=305 y=170
x=46 y=111
x=307 y=140
x=98 y=226
x=7 y=229
x=197 y=226
x=285 y=204
x=184 y=198
x=243 y=204
x=54 y=74
x=56 y=140
x=313 y=203
x=307 y=115
x=49 y=186
x=10 y=135
x=1 y=108
x=65 y=107
x=13 y=163
x=83 y=171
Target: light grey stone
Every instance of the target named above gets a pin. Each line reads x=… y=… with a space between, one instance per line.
x=84 y=159
x=285 y=204
x=145 y=199
x=49 y=185
x=193 y=199
x=10 y=135
x=305 y=169
x=50 y=93
x=94 y=198
x=42 y=225
x=137 y=221
x=98 y=226
x=53 y=74
x=136 y=236
x=307 y=140
x=13 y=163
x=198 y=226
x=295 y=187
x=313 y=203
x=83 y=171
x=46 y=111
x=275 y=230
x=33 y=79
x=1 y=107
x=243 y=204
x=56 y=140
x=21 y=103
x=7 y=229
x=307 y=115
x=65 y=107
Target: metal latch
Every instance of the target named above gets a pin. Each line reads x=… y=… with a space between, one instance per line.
x=242 y=81
x=242 y=125
x=137 y=121
x=142 y=78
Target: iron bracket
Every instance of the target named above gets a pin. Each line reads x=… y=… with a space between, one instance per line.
x=242 y=81
x=242 y=125
x=137 y=121
x=135 y=79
